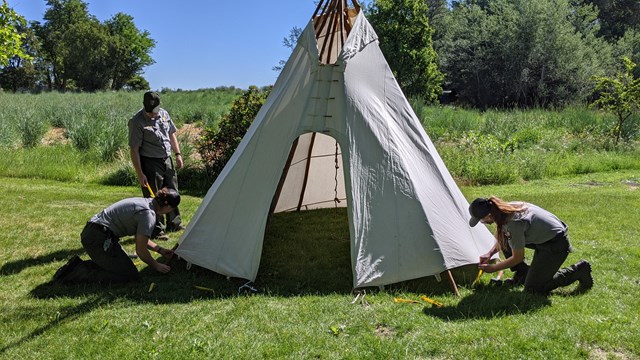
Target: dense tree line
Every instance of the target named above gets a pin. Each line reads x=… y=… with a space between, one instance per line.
x=72 y=50
x=514 y=53
x=490 y=53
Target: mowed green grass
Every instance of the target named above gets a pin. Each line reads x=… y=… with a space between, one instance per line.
x=303 y=304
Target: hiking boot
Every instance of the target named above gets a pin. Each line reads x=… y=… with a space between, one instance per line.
x=583 y=269
x=66 y=269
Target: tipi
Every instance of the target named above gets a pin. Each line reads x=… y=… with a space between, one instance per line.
x=336 y=130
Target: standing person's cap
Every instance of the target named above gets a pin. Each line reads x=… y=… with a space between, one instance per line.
x=478 y=209
x=151 y=102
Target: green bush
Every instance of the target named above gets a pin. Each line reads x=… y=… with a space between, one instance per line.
x=217 y=145
x=122 y=176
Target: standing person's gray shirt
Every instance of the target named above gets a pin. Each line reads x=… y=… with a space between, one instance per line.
x=151 y=135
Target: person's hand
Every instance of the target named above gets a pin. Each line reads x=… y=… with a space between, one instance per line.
x=162 y=268
x=488 y=268
x=166 y=253
x=484 y=259
x=179 y=161
x=143 y=181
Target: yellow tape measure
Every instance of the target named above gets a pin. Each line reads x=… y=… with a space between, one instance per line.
x=150 y=191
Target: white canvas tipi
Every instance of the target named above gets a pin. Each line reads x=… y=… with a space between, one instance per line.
x=336 y=130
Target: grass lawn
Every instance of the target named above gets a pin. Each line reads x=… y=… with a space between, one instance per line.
x=303 y=304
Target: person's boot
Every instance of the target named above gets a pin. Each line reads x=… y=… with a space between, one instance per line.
x=583 y=269
x=66 y=269
x=580 y=271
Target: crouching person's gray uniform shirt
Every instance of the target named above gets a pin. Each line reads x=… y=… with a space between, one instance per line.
x=533 y=226
x=128 y=217
x=100 y=238
x=538 y=229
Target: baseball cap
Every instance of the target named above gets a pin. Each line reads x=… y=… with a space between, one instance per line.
x=478 y=209
x=151 y=102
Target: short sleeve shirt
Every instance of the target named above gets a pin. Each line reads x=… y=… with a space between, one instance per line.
x=128 y=217
x=534 y=225
x=151 y=136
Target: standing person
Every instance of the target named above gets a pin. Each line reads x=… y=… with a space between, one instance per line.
x=101 y=235
x=152 y=136
x=520 y=225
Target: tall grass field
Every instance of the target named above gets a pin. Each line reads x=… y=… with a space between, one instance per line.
x=65 y=158
x=89 y=131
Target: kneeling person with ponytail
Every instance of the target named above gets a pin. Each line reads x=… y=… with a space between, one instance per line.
x=101 y=235
x=520 y=225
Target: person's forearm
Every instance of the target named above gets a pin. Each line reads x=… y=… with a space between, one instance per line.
x=135 y=160
x=493 y=250
x=154 y=247
x=510 y=262
x=174 y=144
x=145 y=255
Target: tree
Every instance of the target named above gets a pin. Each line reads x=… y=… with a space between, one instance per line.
x=137 y=82
x=87 y=57
x=21 y=72
x=64 y=20
x=129 y=50
x=290 y=43
x=619 y=95
x=82 y=52
x=629 y=46
x=10 y=38
x=510 y=53
x=616 y=17
x=405 y=39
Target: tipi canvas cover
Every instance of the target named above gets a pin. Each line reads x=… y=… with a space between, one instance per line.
x=407 y=217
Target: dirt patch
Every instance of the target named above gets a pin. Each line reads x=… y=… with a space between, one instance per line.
x=54 y=136
x=631 y=184
x=589 y=183
x=189 y=131
x=384 y=331
x=598 y=354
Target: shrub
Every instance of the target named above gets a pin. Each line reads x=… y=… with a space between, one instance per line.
x=112 y=137
x=619 y=96
x=122 y=176
x=81 y=131
x=32 y=129
x=217 y=145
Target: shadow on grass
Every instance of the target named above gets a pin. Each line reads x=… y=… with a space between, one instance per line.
x=15 y=267
x=64 y=315
x=304 y=253
x=178 y=286
x=490 y=302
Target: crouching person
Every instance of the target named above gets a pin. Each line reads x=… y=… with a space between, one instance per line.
x=101 y=235
x=521 y=225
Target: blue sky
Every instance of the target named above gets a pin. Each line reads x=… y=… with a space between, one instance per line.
x=204 y=43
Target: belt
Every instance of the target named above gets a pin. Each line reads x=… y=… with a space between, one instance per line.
x=148 y=158
x=102 y=229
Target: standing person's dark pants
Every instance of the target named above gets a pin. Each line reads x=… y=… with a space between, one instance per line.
x=161 y=173
x=109 y=262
